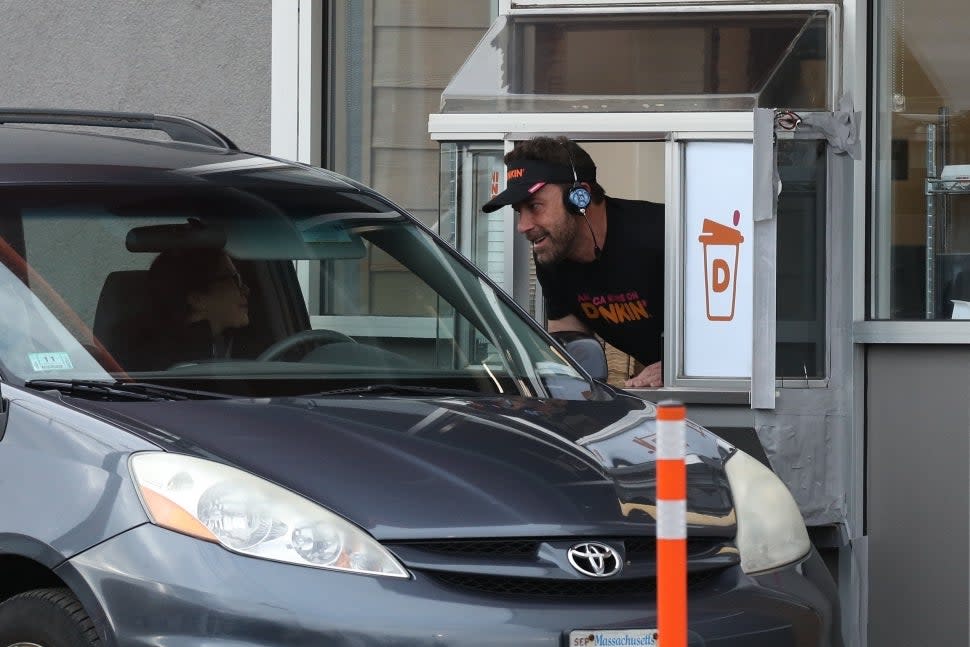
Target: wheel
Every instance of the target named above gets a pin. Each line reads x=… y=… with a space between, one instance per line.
x=314 y=338
x=46 y=618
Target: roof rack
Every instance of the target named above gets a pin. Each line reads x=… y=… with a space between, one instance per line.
x=180 y=129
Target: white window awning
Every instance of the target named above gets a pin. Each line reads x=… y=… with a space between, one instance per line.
x=705 y=59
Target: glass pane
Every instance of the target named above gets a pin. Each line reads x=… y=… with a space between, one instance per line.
x=800 y=350
x=471 y=174
x=800 y=78
x=448 y=193
x=921 y=230
x=712 y=61
x=195 y=285
x=389 y=62
x=487 y=229
x=482 y=171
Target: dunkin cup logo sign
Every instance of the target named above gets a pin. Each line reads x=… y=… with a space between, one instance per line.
x=722 y=248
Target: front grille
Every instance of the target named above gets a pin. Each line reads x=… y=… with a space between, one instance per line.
x=499 y=549
x=492 y=566
x=559 y=589
x=638 y=549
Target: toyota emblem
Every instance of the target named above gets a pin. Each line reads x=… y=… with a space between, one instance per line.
x=594 y=559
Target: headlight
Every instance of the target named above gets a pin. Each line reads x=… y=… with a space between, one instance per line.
x=254 y=517
x=771 y=531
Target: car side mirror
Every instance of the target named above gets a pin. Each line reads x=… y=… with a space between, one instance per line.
x=586 y=350
x=589 y=354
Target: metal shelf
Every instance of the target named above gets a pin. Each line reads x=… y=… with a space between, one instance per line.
x=937 y=189
x=963 y=189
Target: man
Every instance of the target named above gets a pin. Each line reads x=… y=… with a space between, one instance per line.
x=600 y=260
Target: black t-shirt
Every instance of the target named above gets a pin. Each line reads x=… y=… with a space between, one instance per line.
x=620 y=296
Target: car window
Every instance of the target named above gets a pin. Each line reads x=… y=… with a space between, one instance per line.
x=196 y=286
x=76 y=249
x=32 y=340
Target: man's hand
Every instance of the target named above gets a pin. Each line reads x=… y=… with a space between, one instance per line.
x=651 y=376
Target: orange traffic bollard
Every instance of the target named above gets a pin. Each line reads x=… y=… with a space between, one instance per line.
x=671 y=525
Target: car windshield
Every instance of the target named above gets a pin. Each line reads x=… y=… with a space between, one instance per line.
x=258 y=283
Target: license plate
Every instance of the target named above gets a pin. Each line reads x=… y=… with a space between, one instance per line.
x=613 y=638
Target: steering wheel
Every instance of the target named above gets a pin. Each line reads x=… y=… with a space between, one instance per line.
x=317 y=337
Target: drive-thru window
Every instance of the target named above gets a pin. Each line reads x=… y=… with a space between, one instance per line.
x=847 y=291
x=753 y=340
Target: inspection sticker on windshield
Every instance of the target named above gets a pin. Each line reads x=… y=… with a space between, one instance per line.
x=613 y=638
x=50 y=361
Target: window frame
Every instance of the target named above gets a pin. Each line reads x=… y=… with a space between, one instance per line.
x=875 y=264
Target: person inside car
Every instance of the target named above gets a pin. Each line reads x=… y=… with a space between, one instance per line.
x=200 y=301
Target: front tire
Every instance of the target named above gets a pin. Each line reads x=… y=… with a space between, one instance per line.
x=46 y=618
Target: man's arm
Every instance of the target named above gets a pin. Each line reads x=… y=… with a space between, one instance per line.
x=568 y=323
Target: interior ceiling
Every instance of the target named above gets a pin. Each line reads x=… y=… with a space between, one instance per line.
x=936 y=37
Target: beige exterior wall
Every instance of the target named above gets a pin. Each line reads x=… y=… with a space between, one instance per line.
x=391 y=60
x=417 y=46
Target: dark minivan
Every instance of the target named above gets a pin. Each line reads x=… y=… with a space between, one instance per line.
x=188 y=457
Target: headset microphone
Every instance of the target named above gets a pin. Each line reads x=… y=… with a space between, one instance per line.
x=597 y=252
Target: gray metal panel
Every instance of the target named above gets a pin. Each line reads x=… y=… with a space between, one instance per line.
x=206 y=60
x=764 y=206
x=809 y=437
x=918 y=494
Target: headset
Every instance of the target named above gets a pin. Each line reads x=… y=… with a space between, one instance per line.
x=577 y=198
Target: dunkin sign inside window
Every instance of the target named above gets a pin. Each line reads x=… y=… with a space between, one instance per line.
x=722 y=250
x=718 y=265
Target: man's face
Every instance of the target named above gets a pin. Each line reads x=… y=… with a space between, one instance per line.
x=551 y=229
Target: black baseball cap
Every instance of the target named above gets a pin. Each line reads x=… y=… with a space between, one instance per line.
x=526 y=176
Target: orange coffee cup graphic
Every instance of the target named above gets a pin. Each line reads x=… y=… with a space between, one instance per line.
x=722 y=248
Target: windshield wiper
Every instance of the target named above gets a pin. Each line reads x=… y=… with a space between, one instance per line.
x=171 y=392
x=139 y=391
x=398 y=389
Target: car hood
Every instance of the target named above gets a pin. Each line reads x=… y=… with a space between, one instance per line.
x=408 y=468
